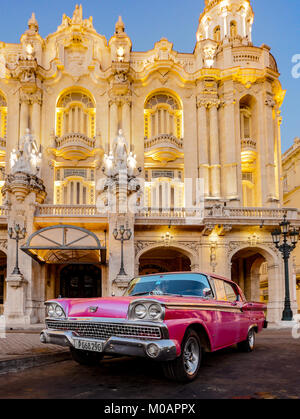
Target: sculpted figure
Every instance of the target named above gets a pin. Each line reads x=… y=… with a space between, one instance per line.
x=28 y=159
x=120 y=151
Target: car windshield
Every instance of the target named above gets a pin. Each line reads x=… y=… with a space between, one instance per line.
x=169 y=284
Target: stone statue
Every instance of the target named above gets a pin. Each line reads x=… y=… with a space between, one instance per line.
x=131 y=163
x=120 y=151
x=28 y=158
x=77 y=15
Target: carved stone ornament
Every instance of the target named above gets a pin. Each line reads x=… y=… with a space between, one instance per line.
x=3 y=244
x=21 y=184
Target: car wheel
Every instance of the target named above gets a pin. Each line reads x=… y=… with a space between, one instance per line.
x=248 y=344
x=185 y=368
x=86 y=357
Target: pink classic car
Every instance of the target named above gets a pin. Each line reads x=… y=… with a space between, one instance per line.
x=172 y=318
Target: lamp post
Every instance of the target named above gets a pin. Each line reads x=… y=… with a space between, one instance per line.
x=17 y=234
x=123 y=234
x=286 y=246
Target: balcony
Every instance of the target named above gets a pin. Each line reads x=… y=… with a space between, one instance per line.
x=164 y=148
x=218 y=214
x=74 y=146
x=213 y=215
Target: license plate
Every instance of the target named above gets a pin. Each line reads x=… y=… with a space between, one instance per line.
x=88 y=345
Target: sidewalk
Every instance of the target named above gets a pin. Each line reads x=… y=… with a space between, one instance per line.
x=20 y=349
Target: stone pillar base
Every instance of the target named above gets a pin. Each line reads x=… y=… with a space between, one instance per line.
x=14 y=308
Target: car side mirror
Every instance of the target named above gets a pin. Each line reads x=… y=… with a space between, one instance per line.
x=207 y=292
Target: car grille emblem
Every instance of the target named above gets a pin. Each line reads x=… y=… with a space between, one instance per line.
x=93 y=309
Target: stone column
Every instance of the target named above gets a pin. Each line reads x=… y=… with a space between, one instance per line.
x=203 y=158
x=270 y=162
x=229 y=153
x=113 y=122
x=126 y=120
x=214 y=150
x=36 y=119
x=24 y=115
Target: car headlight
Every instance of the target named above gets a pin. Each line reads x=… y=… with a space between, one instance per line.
x=146 y=310
x=155 y=311
x=140 y=311
x=54 y=310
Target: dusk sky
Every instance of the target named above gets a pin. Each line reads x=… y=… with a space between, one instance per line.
x=277 y=24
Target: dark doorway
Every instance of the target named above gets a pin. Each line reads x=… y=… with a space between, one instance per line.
x=80 y=281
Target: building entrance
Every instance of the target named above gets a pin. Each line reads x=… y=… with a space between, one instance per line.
x=80 y=281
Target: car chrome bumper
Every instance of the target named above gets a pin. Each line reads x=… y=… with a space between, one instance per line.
x=165 y=348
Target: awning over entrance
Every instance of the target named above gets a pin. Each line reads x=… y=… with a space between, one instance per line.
x=65 y=244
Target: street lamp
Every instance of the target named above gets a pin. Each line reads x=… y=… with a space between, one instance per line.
x=286 y=249
x=17 y=234
x=123 y=234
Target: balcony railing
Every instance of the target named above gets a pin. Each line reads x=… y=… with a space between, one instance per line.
x=74 y=139
x=3 y=212
x=248 y=144
x=66 y=211
x=3 y=142
x=162 y=140
x=213 y=214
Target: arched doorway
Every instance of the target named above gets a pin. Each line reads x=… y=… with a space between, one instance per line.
x=163 y=259
x=80 y=281
x=250 y=271
x=3 y=261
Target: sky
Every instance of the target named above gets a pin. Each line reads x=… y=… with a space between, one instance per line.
x=277 y=24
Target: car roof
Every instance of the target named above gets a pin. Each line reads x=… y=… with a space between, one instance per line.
x=189 y=273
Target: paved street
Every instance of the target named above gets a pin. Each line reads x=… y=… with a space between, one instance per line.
x=272 y=371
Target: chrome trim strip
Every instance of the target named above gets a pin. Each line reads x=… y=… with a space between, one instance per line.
x=210 y=307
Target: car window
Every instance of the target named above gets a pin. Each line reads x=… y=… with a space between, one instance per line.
x=224 y=290
x=191 y=285
x=220 y=289
x=230 y=293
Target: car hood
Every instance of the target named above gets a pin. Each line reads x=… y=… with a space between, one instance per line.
x=112 y=307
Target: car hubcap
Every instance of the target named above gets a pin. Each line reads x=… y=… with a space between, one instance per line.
x=251 y=339
x=191 y=356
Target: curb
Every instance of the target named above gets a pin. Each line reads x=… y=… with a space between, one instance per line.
x=19 y=364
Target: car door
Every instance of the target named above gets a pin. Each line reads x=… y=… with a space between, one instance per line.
x=229 y=309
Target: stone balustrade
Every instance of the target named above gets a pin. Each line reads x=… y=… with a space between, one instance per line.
x=210 y=215
x=162 y=140
x=73 y=139
x=248 y=144
x=66 y=211
x=3 y=142
x=3 y=212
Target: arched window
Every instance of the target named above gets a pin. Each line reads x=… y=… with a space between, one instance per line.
x=217 y=34
x=75 y=186
x=75 y=113
x=233 y=29
x=163 y=116
x=3 y=116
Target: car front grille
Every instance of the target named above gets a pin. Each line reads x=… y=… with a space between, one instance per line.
x=104 y=331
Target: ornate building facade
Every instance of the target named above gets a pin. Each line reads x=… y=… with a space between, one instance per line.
x=209 y=118
x=291 y=196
